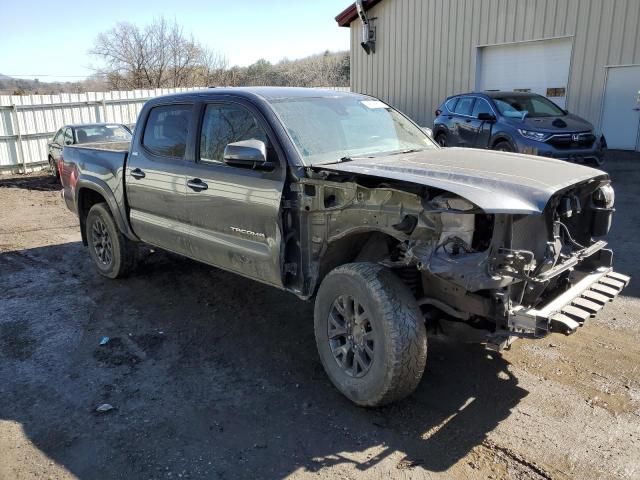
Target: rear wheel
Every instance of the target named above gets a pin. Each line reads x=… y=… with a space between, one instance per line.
x=370 y=334
x=113 y=254
x=503 y=146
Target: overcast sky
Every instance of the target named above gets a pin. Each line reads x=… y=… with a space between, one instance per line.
x=39 y=38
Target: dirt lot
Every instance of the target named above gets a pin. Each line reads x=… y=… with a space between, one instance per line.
x=214 y=376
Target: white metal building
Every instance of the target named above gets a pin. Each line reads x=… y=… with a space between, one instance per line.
x=582 y=54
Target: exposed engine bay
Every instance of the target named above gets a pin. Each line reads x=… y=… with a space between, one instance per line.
x=498 y=270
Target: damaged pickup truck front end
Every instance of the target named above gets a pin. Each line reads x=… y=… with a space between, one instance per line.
x=519 y=253
x=340 y=198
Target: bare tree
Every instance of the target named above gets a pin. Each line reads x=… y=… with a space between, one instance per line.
x=122 y=49
x=158 y=55
x=162 y=55
x=213 y=70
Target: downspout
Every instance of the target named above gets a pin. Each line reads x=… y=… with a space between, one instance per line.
x=368 y=32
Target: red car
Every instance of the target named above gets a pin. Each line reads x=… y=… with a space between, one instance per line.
x=83 y=133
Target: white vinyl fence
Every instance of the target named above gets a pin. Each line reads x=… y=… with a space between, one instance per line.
x=28 y=122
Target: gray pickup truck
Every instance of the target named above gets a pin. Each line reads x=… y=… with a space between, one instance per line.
x=339 y=197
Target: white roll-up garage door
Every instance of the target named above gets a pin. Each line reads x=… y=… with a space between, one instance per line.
x=540 y=67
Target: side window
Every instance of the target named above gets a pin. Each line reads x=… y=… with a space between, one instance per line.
x=481 y=106
x=224 y=124
x=451 y=104
x=464 y=106
x=58 y=139
x=68 y=136
x=167 y=130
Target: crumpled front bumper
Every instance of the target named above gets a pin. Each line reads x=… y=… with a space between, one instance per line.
x=566 y=312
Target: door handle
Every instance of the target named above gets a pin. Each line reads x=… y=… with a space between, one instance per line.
x=197 y=185
x=137 y=174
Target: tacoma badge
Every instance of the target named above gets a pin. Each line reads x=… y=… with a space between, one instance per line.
x=247 y=232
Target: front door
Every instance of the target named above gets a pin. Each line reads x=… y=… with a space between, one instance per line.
x=621 y=109
x=234 y=212
x=155 y=177
x=481 y=129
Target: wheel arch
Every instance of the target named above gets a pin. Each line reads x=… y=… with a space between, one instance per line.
x=88 y=194
x=440 y=129
x=503 y=137
x=372 y=245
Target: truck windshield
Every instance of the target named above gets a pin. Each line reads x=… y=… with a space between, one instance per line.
x=328 y=129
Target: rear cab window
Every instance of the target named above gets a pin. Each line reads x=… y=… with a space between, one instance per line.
x=167 y=130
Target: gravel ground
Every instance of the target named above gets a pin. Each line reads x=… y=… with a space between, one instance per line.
x=214 y=376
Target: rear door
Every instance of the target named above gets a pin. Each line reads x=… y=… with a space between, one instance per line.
x=234 y=212
x=464 y=125
x=155 y=176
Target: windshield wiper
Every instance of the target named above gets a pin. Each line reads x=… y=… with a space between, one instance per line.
x=409 y=150
x=344 y=159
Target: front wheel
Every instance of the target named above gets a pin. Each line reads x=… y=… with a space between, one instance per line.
x=113 y=254
x=441 y=139
x=370 y=334
x=503 y=146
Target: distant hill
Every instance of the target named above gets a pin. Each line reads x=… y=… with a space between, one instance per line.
x=323 y=69
x=23 y=86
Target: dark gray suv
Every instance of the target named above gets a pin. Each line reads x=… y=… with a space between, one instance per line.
x=516 y=122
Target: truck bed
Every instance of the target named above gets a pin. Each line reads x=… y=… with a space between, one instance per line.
x=101 y=164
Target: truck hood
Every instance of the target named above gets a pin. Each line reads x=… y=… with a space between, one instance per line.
x=497 y=182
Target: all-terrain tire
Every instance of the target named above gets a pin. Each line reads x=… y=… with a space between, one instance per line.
x=123 y=252
x=398 y=329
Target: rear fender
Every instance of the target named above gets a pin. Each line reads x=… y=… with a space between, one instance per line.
x=88 y=182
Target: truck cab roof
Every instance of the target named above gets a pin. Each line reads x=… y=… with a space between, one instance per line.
x=263 y=93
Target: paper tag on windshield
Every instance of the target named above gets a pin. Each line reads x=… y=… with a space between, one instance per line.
x=374 y=104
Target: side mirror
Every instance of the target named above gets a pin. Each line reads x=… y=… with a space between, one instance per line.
x=428 y=131
x=68 y=142
x=486 y=117
x=247 y=154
